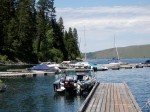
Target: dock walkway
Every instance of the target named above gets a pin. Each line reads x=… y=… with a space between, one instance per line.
x=110 y=97
x=22 y=74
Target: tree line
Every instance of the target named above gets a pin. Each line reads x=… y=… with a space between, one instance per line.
x=29 y=32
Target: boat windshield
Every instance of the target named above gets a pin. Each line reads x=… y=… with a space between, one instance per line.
x=70 y=72
x=85 y=75
x=70 y=75
x=89 y=73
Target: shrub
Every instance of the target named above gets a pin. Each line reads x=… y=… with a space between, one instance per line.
x=3 y=58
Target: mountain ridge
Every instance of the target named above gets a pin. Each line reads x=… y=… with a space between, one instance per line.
x=135 y=51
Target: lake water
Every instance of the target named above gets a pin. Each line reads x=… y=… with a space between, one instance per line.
x=36 y=94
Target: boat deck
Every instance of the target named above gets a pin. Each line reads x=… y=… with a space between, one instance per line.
x=110 y=97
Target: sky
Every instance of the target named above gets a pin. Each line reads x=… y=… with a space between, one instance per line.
x=99 y=21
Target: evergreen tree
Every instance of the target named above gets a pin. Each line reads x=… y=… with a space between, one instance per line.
x=46 y=46
x=7 y=11
x=66 y=38
x=26 y=30
x=71 y=42
x=41 y=9
x=76 y=46
x=60 y=40
x=12 y=36
x=32 y=34
x=45 y=13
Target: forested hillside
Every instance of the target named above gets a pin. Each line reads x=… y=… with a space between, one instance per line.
x=29 y=32
x=139 y=51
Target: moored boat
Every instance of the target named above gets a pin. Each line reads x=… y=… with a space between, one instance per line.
x=101 y=67
x=139 y=65
x=41 y=68
x=2 y=86
x=75 y=82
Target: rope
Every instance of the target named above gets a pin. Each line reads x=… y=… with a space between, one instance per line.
x=147 y=105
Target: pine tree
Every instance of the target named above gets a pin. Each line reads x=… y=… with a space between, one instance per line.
x=66 y=38
x=60 y=39
x=71 y=43
x=76 y=47
x=32 y=34
x=45 y=15
x=26 y=30
x=7 y=11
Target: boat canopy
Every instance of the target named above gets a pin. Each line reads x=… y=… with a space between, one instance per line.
x=40 y=67
x=44 y=67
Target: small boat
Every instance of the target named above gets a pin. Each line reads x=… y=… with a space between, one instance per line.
x=139 y=65
x=41 y=68
x=101 y=68
x=2 y=86
x=115 y=64
x=75 y=82
x=115 y=68
x=147 y=63
x=65 y=65
x=84 y=65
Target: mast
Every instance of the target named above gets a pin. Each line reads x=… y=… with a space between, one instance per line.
x=84 y=45
x=116 y=48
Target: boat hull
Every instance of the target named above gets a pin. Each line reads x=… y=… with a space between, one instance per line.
x=2 y=88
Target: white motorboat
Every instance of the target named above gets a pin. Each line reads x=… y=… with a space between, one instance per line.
x=42 y=68
x=2 y=86
x=75 y=82
x=101 y=67
x=115 y=62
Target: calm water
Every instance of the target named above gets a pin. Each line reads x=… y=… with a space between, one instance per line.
x=106 y=61
x=137 y=79
x=36 y=94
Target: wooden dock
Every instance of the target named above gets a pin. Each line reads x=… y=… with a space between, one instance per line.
x=21 y=74
x=76 y=70
x=126 y=66
x=110 y=97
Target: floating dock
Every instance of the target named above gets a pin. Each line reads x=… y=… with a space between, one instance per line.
x=126 y=66
x=21 y=74
x=110 y=97
x=77 y=70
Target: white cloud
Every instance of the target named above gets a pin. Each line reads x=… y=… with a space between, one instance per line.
x=99 y=21
x=113 y=9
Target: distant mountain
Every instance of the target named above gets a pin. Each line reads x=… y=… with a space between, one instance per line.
x=138 y=51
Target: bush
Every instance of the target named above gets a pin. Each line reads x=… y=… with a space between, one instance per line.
x=56 y=55
x=3 y=58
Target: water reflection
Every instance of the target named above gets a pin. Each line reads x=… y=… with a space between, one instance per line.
x=68 y=103
x=136 y=79
x=36 y=95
